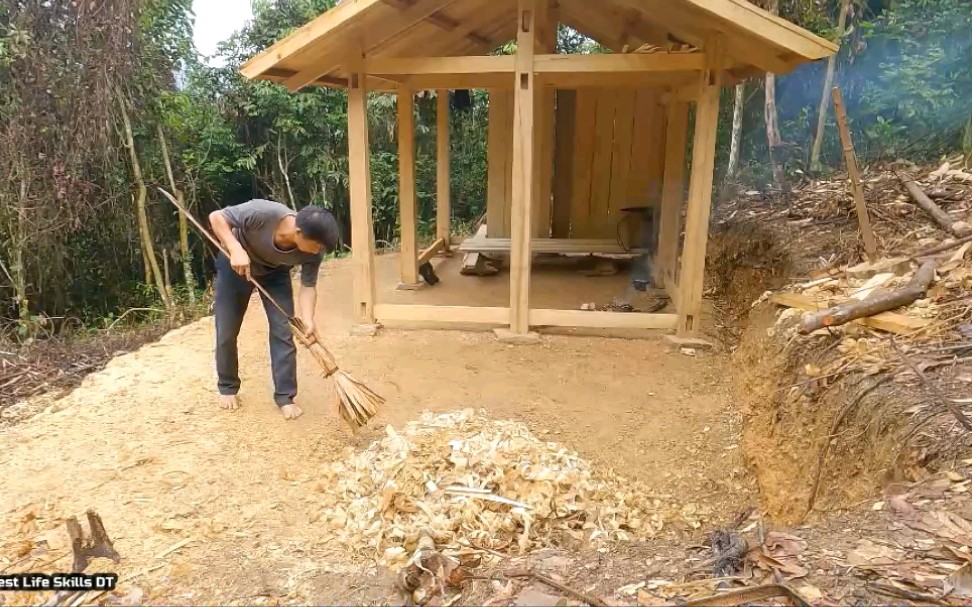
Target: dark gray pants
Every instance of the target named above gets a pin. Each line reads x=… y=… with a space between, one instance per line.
x=232 y=297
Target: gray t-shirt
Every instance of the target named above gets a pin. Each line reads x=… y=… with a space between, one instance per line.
x=253 y=224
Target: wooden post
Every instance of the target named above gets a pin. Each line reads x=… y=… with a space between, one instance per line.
x=673 y=192
x=700 y=192
x=406 y=188
x=362 y=229
x=443 y=217
x=524 y=166
x=857 y=187
x=545 y=42
x=564 y=162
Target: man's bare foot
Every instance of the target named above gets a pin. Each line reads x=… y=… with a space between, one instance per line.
x=291 y=411
x=230 y=402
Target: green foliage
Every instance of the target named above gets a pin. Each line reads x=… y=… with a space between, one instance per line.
x=915 y=77
x=905 y=69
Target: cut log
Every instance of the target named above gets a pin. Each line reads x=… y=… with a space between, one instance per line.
x=885 y=321
x=847 y=312
x=943 y=219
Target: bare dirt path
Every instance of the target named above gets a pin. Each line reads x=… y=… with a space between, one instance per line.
x=143 y=443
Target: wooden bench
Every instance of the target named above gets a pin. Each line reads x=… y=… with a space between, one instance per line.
x=563 y=246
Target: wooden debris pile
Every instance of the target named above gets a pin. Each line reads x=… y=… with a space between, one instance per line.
x=475 y=484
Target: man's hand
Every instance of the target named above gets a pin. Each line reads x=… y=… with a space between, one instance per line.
x=239 y=259
x=240 y=262
x=310 y=332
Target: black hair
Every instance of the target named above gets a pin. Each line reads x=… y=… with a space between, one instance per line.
x=320 y=226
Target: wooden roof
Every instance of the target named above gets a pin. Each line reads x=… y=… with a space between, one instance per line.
x=755 y=40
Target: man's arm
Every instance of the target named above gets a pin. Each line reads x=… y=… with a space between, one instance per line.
x=307 y=305
x=307 y=297
x=224 y=232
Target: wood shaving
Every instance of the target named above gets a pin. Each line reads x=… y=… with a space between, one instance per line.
x=378 y=501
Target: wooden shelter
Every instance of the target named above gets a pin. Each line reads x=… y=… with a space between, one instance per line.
x=573 y=139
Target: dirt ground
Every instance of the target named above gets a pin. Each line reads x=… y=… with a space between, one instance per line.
x=215 y=507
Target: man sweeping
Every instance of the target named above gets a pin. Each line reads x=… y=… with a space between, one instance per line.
x=265 y=240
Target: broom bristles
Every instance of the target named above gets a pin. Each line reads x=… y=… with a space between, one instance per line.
x=357 y=403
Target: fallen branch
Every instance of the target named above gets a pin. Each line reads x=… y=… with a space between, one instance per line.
x=750 y=595
x=577 y=594
x=888 y=590
x=943 y=219
x=847 y=312
x=962 y=419
x=942 y=248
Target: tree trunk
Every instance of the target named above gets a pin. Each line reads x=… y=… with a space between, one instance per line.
x=828 y=85
x=145 y=260
x=737 y=121
x=772 y=127
x=183 y=224
x=165 y=272
x=284 y=172
x=143 y=226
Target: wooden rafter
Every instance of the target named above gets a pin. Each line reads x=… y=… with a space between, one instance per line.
x=330 y=23
x=441 y=20
x=329 y=59
x=479 y=17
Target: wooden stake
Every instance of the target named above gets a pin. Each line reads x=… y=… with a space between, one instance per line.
x=406 y=187
x=870 y=246
x=362 y=229
x=524 y=165
x=443 y=217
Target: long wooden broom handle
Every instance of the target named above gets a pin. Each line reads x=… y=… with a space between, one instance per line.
x=296 y=322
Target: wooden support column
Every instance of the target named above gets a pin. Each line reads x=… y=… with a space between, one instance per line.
x=362 y=228
x=406 y=188
x=524 y=166
x=700 y=192
x=564 y=162
x=673 y=192
x=443 y=215
x=545 y=42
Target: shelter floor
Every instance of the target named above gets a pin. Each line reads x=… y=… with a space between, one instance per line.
x=223 y=505
x=556 y=282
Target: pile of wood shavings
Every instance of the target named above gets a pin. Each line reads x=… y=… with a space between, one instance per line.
x=476 y=483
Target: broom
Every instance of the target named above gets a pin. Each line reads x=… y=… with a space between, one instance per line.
x=357 y=403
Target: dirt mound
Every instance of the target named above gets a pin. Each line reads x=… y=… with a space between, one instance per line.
x=833 y=416
x=472 y=482
x=744 y=260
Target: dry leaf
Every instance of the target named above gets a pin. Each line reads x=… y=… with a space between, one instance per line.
x=868 y=554
x=788 y=566
x=631 y=589
x=784 y=544
x=647 y=600
x=960 y=582
x=810 y=592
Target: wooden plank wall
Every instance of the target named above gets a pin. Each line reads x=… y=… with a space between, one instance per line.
x=499 y=153
x=617 y=159
x=611 y=155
